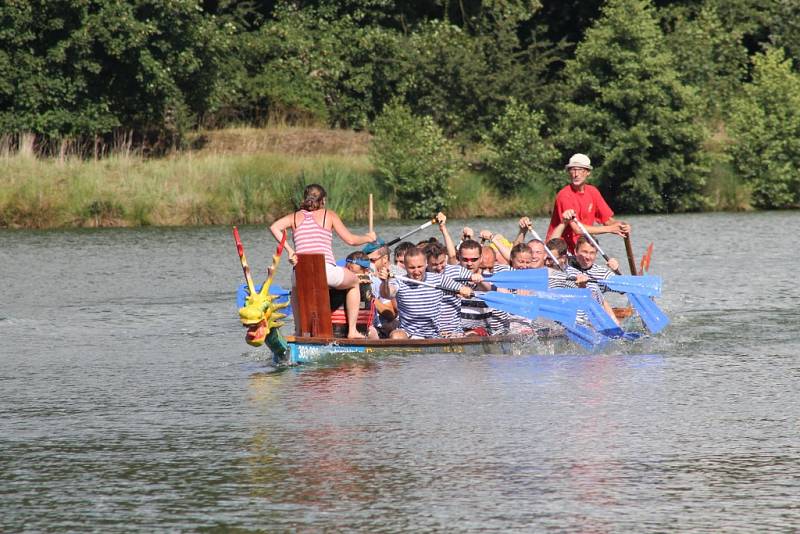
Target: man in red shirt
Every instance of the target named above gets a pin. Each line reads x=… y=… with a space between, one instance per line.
x=587 y=204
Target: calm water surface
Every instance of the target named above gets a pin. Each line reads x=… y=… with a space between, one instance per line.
x=130 y=402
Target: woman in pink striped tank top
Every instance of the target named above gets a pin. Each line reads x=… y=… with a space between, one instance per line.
x=312 y=232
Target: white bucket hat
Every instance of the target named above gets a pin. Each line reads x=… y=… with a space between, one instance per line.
x=579 y=160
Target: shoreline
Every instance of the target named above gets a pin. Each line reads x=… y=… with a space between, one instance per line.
x=247 y=176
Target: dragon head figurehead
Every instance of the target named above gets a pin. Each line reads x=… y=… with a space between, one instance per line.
x=260 y=314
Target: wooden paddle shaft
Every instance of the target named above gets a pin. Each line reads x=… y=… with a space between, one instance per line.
x=629 y=252
x=370 y=213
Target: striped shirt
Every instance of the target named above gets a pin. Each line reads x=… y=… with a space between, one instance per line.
x=558 y=279
x=311 y=238
x=419 y=307
x=595 y=272
x=450 y=316
x=475 y=313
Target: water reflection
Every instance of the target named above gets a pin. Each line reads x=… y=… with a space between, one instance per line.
x=308 y=457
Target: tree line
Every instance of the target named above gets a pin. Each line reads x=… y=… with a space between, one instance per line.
x=659 y=93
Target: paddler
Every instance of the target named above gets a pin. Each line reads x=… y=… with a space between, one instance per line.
x=588 y=204
x=585 y=265
x=418 y=305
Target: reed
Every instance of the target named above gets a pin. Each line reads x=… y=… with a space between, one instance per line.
x=187 y=189
x=218 y=185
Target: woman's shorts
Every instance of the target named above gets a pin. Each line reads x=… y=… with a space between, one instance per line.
x=334 y=274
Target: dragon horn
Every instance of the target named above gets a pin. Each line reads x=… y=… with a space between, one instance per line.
x=245 y=267
x=276 y=260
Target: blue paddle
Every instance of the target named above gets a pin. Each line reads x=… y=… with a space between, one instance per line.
x=519 y=279
x=582 y=299
x=653 y=318
x=641 y=285
x=521 y=305
x=586 y=337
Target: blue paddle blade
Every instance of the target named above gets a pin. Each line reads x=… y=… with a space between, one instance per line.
x=560 y=312
x=653 y=318
x=586 y=337
x=521 y=305
x=276 y=289
x=601 y=319
x=647 y=285
x=521 y=279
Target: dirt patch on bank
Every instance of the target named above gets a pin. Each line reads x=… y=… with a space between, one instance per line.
x=300 y=141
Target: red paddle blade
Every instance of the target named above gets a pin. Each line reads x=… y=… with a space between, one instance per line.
x=237 y=239
x=644 y=266
x=279 y=250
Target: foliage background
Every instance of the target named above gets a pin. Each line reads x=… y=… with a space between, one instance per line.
x=682 y=104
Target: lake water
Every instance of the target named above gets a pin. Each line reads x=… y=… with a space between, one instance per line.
x=130 y=402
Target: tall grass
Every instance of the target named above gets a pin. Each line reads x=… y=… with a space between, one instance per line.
x=208 y=189
x=189 y=188
x=213 y=187
x=474 y=197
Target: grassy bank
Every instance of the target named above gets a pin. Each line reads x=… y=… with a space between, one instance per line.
x=235 y=177
x=243 y=176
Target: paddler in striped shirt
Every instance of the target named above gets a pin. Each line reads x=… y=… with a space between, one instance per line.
x=584 y=264
x=418 y=305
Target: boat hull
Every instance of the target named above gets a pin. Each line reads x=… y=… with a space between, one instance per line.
x=309 y=349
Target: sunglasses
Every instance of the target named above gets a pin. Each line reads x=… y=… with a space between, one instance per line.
x=472 y=260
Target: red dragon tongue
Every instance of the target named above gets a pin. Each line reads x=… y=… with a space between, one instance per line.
x=256 y=333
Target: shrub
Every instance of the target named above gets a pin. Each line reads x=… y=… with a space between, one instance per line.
x=765 y=128
x=414 y=158
x=520 y=156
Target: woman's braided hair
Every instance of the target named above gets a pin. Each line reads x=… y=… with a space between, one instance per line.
x=313 y=197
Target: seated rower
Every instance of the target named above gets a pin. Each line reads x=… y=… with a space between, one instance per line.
x=450 y=316
x=555 y=277
x=585 y=256
x=418 y=305
x=358 y=263
x=521 y=257
x=385 y=318
x=558 y=247
x=476 y=317
x=398 y=268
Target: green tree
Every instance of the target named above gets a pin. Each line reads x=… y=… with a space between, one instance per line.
x=625 y=106
x=520 y=156
x=764 y=128
x=315 y=65
x=414 y=158
x=712 y=57
x=462 y=74
x=85 y=67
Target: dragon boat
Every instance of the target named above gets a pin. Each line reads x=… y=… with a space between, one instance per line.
x=261 y=312
x=315 y=336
